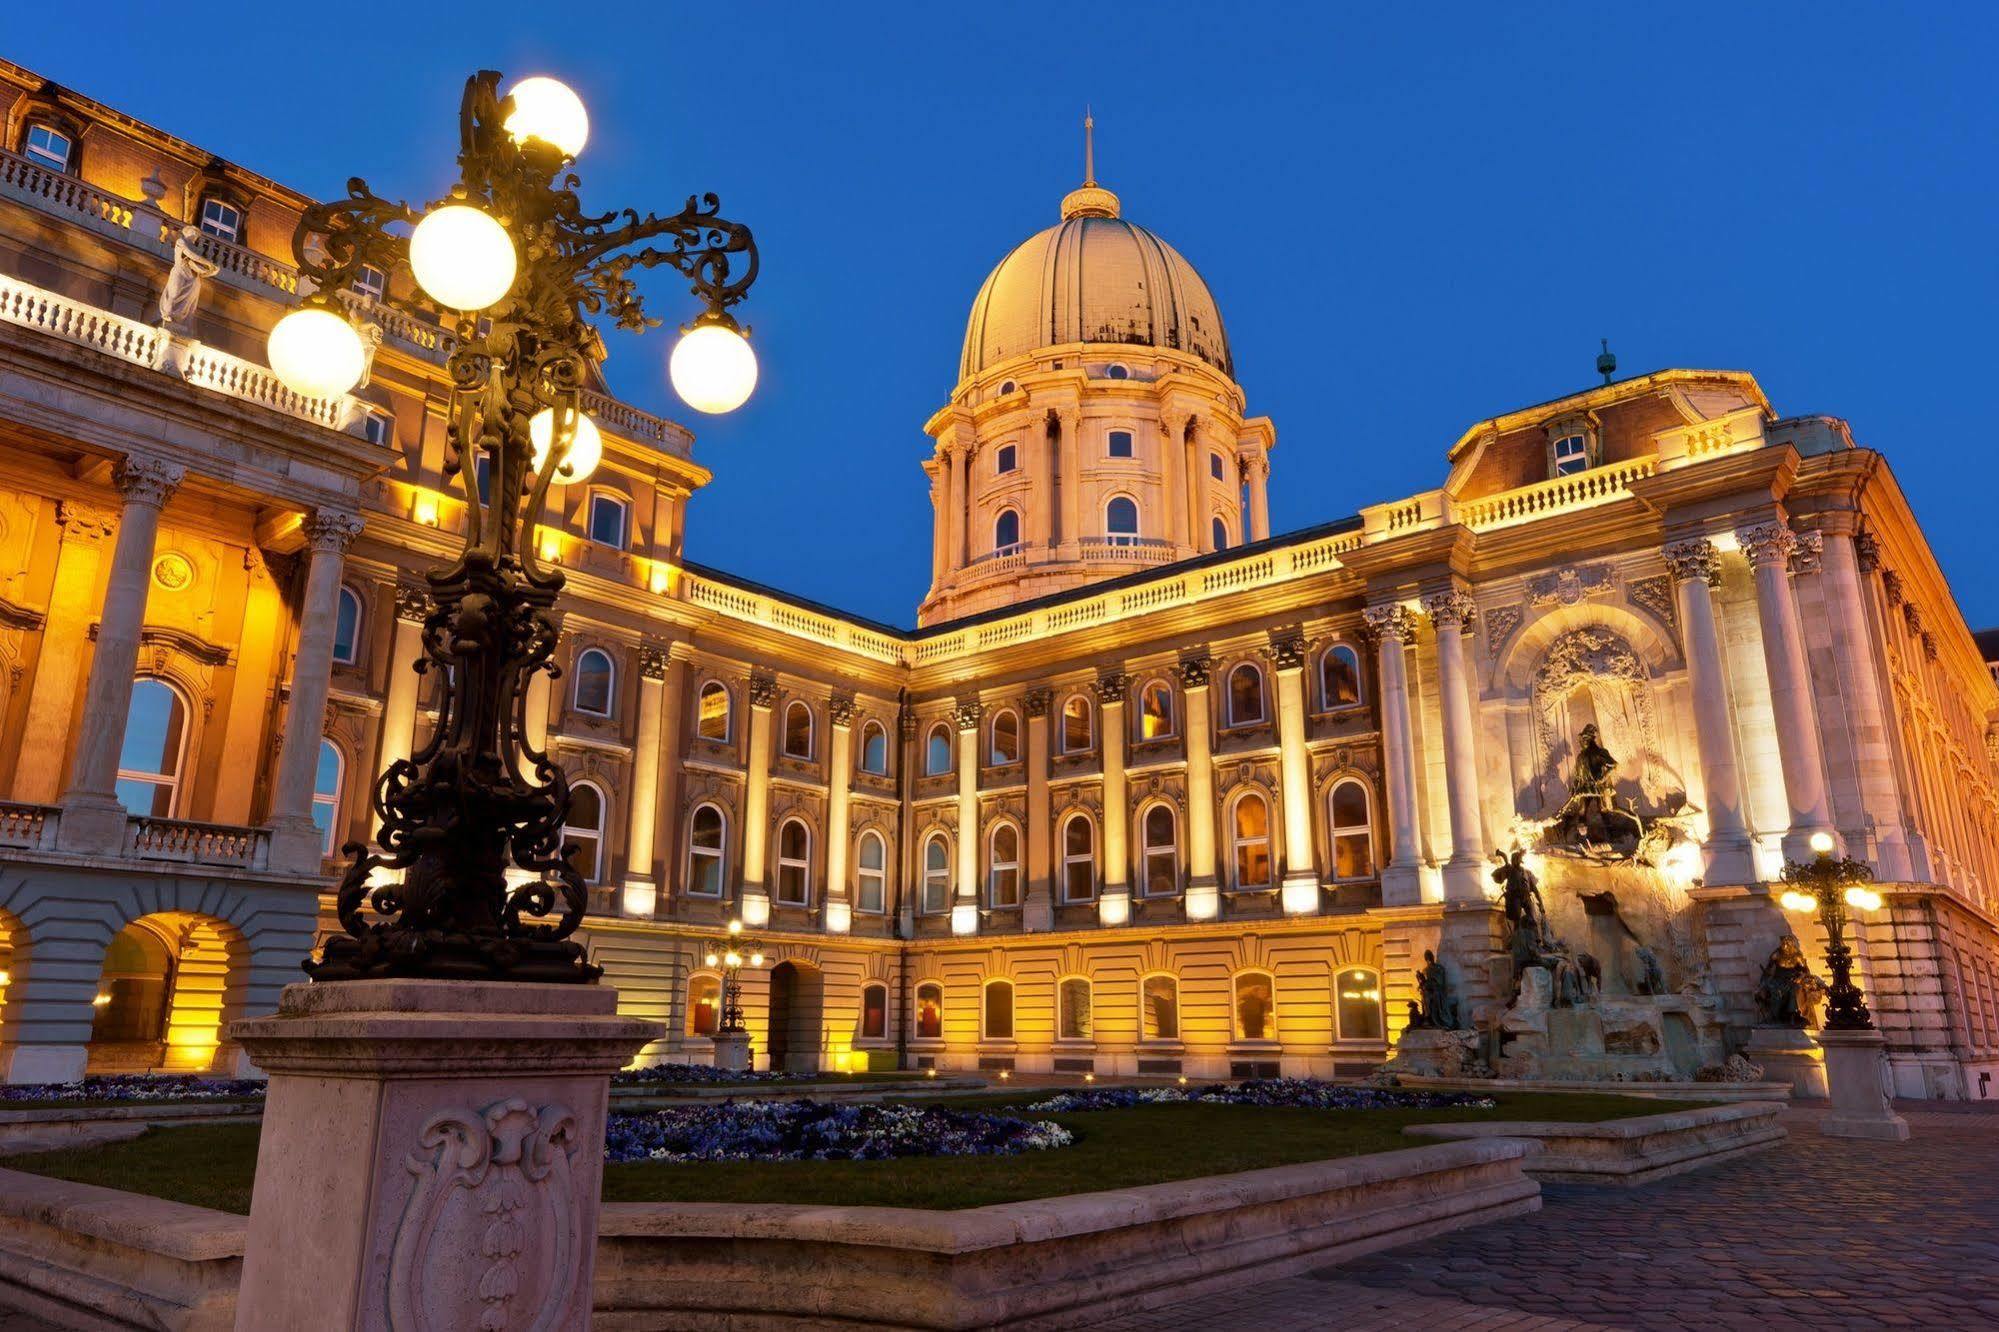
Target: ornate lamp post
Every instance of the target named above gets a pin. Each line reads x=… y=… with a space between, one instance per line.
x=521 y=270
x=1855 y=1058
x=729 y=956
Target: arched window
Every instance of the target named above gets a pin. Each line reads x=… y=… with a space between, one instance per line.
x=1339 y=677
x=1121 y=520
x=1159 y=849
x=326 y=795
x=596 y=678
x=347 y=628
x=150 y=759
x=1006 y=532
x=1218 y=467
x=1073 y=1017
x=999 y=1010
x=797 y=729
x=609 y=518
x=874 y=1012
x=1352 y=831
x=1008 y=387
x=715 y=711
x=1005 y=736
x=1155 y=710
x=937 y=751
x=1159 y=1008
x=929 y=1011
x=936 y=875
x=1245 y=695
x=707 y=855
x=1076 y=724
x=1003 y=872
x=874 y=749
x=1218 y=533
x=1005 y=459
x=704 y=1005
x=371 y=282
x=1079 y=859
x=794 y=863
x=1119 y=443
x=1358 y=992
x=871 y=873
x=1255 y=1011
x=585 y=828
x=48 y=146
x=1250 y=825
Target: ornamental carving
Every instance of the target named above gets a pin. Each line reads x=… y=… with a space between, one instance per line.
x=84 y=522
x=1891 y=583
x=1037 y=699
x=653 y=659
x=905 y=724
x=1193 y=671
x=967 y=713
x=149 y=481
x=492 y=1232
x=1929 y=645
x=1287 y=651
x=1912 y=617
x=1395 y=619
x=840 y=709
x=1569 y=586
x=173 y=572
x=1593 y=676
x=330 y=532
x=1811 y=549
x=412 y=602
x=1767 y=543
x=1697 y=558
x=1346 y=761
x=1655 y=597
x=1109 y=688
x=1452 y=609
x=1500 y=622
x=1867 y=551
x=763 y=689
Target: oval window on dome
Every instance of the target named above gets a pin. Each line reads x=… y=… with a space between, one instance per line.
x=1117 y=371
x=1007 y=388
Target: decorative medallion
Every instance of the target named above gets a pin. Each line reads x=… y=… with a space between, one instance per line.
x=173 y=571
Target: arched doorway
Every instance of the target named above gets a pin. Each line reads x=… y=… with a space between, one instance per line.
x=797 y=1017
x=161 y=995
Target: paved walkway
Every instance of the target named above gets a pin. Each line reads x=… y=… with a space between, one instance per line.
x=1819 y=1233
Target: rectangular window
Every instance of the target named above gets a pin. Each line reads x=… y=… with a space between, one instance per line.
x=48 y=146
x=222 y=220
x=371 y=282
x=874 y=1012
x=1006 y=459
x=1571 y=455
x=379 y=427
x=607 y=521
x=1120 y=444
x=999 y=1011
x=929 y=1011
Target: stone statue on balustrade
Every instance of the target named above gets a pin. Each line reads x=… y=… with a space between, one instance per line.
x=1436 y=1007
x=181 y=296
x=1788 y=995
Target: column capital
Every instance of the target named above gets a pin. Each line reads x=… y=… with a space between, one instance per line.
x=1193 y=670
x=1037 y=699
x=840 y=708
x=1867 y=551
x=1392 y=619
x=412 y=602
x=905 y=724
x=143 y=480
x=763 y=689
x=1109 y=688
x=654 y=658
x=1287 y=651
x=1767 y=543
x=1694 y=558
x=1810 y=550
x=330 y=531
x=85 y=522
x=967 y=713
x=1452 y=608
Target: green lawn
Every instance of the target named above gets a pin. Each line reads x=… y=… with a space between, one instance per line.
x=212 y=1165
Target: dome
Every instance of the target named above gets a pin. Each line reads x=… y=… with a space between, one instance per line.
x=1093 y=277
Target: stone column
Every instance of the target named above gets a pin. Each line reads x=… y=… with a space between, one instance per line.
x=1880 y=833
x=955 y=538
x=1258 y=470
x=1072 y=482
x=92 y=818
x=1175 y=481
x=1038 y=908
x=939 y=510
x=965 y=903
x=839 y=780
x=640 y=898
x=432 y=1153
x=295 y=842
x=399 y=708
x=1394 y=628
x=1300 y=892
x=672 y=726
x=1696 y=569
x=1114 y=902
x=1451 y=615
x=756 y=801
x=65 y=651
x=1769 y=547
x=1204 y=896
x=1204 y=493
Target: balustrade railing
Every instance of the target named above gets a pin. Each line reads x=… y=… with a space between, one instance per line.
x=1560 y=494
x=189 y=842
x=73 y=321
x=31 y=827
x=58 y=191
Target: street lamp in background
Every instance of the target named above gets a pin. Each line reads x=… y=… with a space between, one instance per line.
x=729 y=956
x=1855 y=1058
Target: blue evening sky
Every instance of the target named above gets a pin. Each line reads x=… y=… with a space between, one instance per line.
x=1413 y=216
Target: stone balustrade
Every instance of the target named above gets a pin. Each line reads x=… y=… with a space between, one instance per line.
x=29 y=827
x=1561 y=494
x=58 y=191
x=186 y=841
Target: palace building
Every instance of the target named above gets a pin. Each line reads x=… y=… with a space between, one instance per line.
x=1149 y=789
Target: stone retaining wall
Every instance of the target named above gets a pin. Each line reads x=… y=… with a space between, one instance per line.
x=1653 y=1091
x=1630 y=1151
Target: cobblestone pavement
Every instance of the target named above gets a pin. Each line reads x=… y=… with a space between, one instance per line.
x=1819 y=1233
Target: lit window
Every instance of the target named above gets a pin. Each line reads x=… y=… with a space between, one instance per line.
x=1245 y=695
x=715 y=710
x=347 y=628
x=1006 y=459
x=872 y=872
x=378 y=428
x=583 y=831
x=937 y=751
x=1073 y=1016
x=1359 y=994
x=1339 y=677
x=1160 y=849
x=1006 y=736
x=704 y=1005
x=1571 y=455
x=1121 y=521
x=1003 y=877
x=149 y=760
x=1255 y=1019
x=1006 y=532
x=326 y=795
x=1075 y=724
x=1079 y=860
x=607 y=520
x=797 y=730
x=929 y=1011
x=1353 y=833
x=1252 y=842
x=874 y=749
x=595 y=680
x=705 y=855
x=1160 y=1005
x=371 y=282
x=48 y=146
x=1155 y=711
x=1116 y=371
x=794 y=863
x=936 y=875
x=999 y=1010
x=874 y=1012
x=221 y=219
x=1217 y=467
x=1218 y=533
x=1120 y=443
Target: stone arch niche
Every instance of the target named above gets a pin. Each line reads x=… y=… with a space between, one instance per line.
x=1591 y=675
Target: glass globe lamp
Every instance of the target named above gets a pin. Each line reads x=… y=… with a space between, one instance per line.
x=462 y=258
x=315 y=352
x=713 y=369
x=586 y=449
x=549 y=110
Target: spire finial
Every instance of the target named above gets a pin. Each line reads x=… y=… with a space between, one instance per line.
x=1089 y=199
x=1606 y=361
x=1089 y=147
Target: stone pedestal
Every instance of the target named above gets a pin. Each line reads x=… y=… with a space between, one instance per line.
x=1788 y=1054
x=732 y=1051
x=431 y=1153
x=1855 y=1064
x=1433 y=1052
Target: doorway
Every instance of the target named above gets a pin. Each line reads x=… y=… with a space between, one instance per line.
x=797 y=1018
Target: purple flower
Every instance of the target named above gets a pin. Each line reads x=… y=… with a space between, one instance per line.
x=813 y=1131
x=1287 y=1093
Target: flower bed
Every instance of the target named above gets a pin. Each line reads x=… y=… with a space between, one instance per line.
x=814 y=1131
x=699 y=1075
x=1277 y=1093
x=137 y=1088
